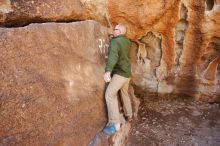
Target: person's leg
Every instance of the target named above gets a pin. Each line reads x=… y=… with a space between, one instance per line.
x=126 y=99
x=117 y=82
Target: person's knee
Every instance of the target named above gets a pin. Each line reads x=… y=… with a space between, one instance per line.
x=109 y=95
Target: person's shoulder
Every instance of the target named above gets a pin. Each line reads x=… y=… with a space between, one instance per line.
x=127 y=39
x=114 y=40
x=120 y=37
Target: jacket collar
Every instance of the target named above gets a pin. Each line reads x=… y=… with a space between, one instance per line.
x=121 y=35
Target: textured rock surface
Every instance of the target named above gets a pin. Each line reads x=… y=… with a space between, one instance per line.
x=175 y=43
x=209 y=59
x=22 y=12
x=51 y=74
x=44 y=68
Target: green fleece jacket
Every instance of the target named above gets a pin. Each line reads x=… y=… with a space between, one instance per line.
x=118 y=57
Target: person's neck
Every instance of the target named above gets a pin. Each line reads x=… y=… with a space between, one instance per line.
x=120 y=35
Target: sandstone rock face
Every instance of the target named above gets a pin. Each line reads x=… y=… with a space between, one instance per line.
x=51 y=74
x=176 y=45
x=22 y=12
x=174 y=40
x=52 y=83
x=210 y=57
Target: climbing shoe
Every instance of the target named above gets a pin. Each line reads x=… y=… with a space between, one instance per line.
x=110 y=129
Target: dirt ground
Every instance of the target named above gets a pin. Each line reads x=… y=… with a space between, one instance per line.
x=177 y=122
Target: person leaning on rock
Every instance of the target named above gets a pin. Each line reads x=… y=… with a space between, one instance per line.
x=117 y=73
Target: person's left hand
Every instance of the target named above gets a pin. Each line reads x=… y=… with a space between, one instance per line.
x=107 y=76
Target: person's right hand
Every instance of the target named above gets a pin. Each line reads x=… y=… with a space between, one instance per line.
x=107 y=76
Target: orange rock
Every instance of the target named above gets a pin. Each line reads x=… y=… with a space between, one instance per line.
x=173 y=40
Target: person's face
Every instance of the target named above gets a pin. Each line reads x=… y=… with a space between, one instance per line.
x=116 y=31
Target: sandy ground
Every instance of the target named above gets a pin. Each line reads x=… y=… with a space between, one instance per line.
x=177 y=122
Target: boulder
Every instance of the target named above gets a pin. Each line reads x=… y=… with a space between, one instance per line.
x=22 y=12
x=52 y=83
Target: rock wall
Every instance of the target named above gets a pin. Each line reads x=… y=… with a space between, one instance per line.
x=23 y=12
x=51 y=73
x=52 y=83
x=176 y=46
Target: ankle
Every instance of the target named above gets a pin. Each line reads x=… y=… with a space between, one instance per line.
x=118 y=126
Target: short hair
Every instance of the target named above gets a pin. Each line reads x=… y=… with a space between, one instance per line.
x=122 y=28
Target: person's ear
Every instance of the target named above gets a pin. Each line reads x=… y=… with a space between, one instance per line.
x=119 y=31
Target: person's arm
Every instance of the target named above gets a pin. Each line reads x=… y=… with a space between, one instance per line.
x=112 y=60
x=112 y=57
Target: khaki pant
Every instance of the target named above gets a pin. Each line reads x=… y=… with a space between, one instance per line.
x=117 y=83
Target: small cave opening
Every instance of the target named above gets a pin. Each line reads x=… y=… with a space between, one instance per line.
x=209 y=4
x=183 y=12
x=151 y=44
x=180 y=31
